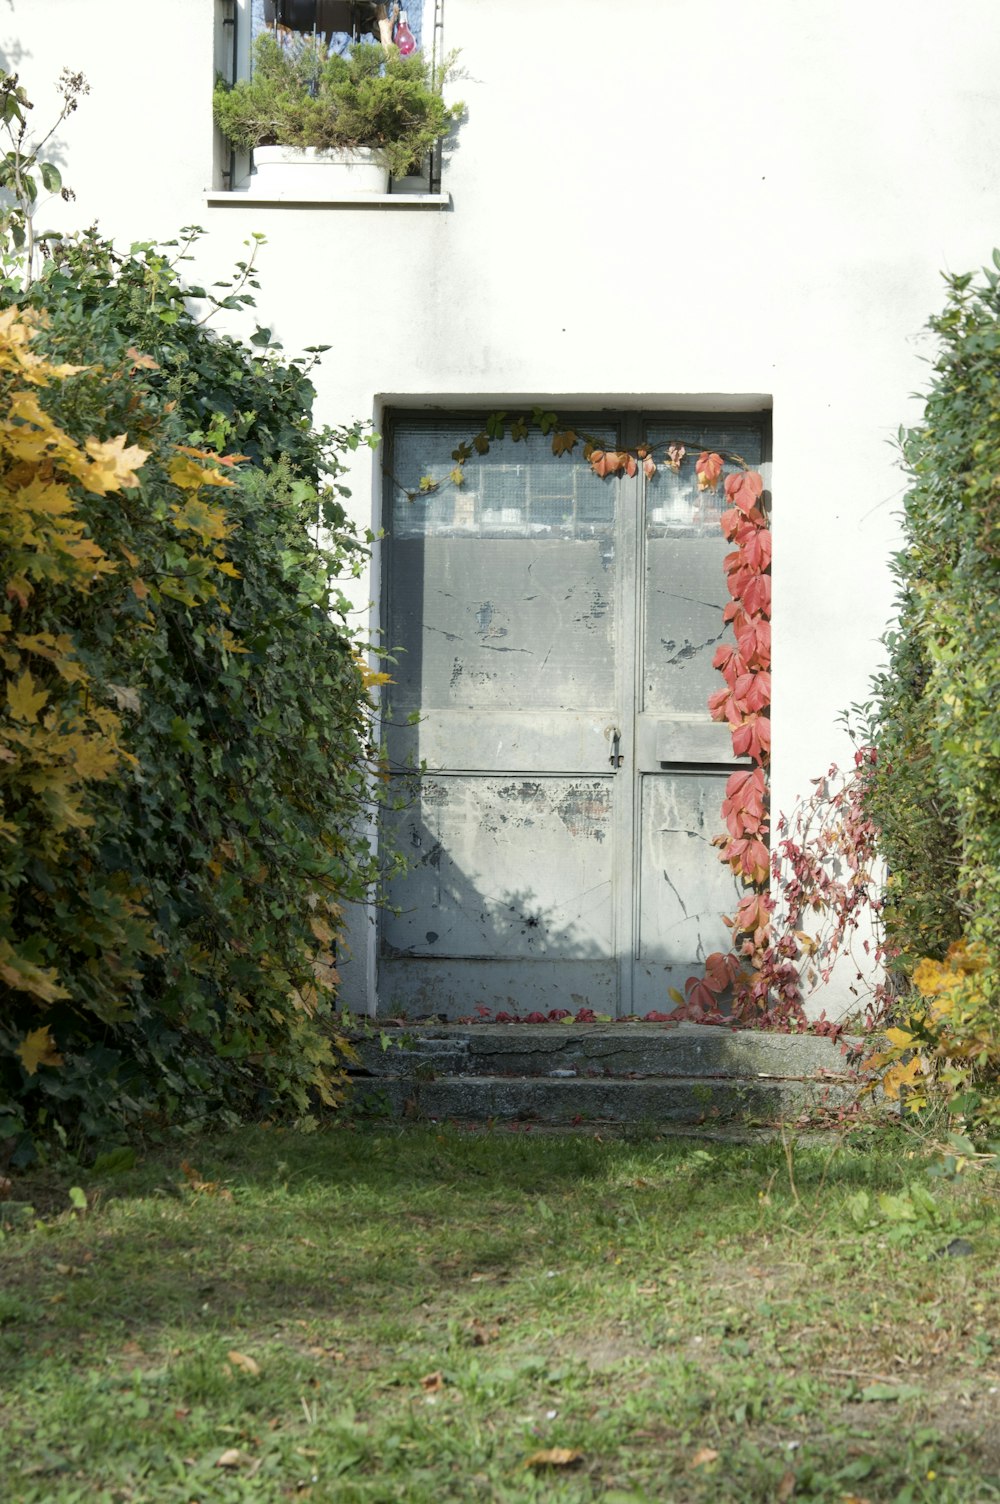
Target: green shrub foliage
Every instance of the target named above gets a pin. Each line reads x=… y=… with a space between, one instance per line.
x=307 y=97
x=171 y=949
x=936 y=717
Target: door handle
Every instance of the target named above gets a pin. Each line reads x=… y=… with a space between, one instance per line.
x=616 y=758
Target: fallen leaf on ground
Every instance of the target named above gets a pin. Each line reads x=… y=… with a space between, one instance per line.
x=432 y=1382
x=244 y=1361
x=785 y=1488
x=231 y=1457
x=482 y=1332
x=703 y=1457
x=554 y=1457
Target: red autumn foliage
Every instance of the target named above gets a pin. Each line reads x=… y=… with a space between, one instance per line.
x=744 y=489
x=744 y=808
x=708 y=468
x=752 y=589
x=720 y=971
x=753 y=638
x=752 y=738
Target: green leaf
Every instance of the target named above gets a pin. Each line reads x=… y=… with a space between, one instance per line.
x=51 y=176
x=114 y=1161
x=891 y=1393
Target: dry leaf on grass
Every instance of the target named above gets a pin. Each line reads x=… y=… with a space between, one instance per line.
x=231 y=1457
x=244 y=1361
x=481 y=1332
x=554 y=1457
x=785 y=1488
x=432 y=1382
x=703 y=1457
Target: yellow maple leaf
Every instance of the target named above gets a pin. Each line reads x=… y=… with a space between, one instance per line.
x=24 y=700
x=929 y=977
x=40 y=981
x=38 y=1048
x=207 y=521
x=113 y=465
x=191 y=476
x=45 y=498
x=900 y=1076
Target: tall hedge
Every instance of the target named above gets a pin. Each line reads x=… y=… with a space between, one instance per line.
x=936 y=715
x=171 y=886
x=938 y=702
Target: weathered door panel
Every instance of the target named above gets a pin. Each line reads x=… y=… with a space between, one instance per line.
x=507 y=691
x=513 y=866
x=556 y=636
x=682 y=757
x=683 y=887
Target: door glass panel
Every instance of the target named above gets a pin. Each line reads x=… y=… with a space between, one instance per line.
x=685 y=587
x=501 y=589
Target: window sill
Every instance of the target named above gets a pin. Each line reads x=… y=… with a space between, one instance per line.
x=223 y=197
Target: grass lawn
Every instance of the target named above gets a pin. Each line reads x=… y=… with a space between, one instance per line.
x=376 y=1314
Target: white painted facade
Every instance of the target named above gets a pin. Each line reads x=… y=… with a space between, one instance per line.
x=694 y=203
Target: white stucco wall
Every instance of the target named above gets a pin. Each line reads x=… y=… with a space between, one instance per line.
x=647 y=204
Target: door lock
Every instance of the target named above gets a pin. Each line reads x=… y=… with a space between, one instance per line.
x=616 y=758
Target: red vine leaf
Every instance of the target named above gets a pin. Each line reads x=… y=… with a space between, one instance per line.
x=747 y=789
x=699 y=997
x=754 y=590
x=753 y=738
x=748 y=856
x=743 y=489
x=708 y=468
x=753 y=638
x=720 y=971
x=755 y=547
x=607 y=461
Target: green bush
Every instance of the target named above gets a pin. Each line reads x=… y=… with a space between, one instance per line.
x=936 y=716
x=187 y=922
x=306 y=97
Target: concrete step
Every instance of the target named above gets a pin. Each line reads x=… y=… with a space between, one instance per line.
x=648 y=1100
x=624 y=1049
x=593 y=1073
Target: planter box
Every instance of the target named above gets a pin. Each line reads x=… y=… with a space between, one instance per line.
x=339 y=173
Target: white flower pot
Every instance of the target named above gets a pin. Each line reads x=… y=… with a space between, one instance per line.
x=337 y=172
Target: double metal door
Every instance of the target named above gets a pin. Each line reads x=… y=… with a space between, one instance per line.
x=559 y=777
